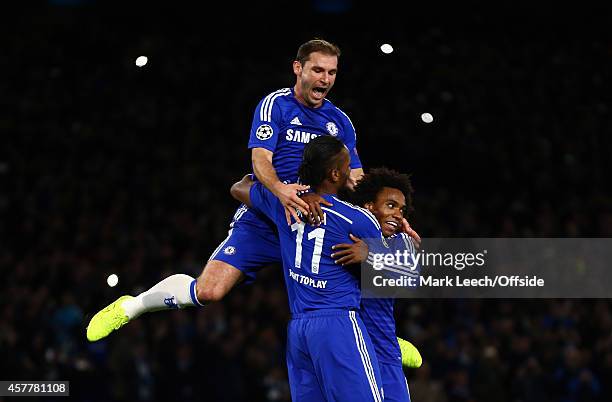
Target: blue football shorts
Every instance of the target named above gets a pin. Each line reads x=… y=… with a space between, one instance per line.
x=394 y=383
x=251 y=244
x=330 y=357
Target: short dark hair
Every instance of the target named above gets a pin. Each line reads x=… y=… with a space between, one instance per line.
x=316 y=45
x=367 y=189
x=318 y=159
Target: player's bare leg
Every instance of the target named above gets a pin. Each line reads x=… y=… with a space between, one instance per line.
x=174 y=292
x=216 y=280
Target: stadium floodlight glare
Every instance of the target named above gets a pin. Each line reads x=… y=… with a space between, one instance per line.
x=141 y=61
x=427 y=117
x=112 y=280
x=386 y=48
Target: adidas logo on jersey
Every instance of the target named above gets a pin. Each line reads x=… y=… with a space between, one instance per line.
x=296 y=121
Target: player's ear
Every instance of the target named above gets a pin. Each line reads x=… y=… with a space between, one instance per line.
x=369 y=206
x=297 y=67
x=334 y=175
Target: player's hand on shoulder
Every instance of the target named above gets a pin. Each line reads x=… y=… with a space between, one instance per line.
x=412 y=233
x=314 y=201
x=288 y=196
x=346 y=254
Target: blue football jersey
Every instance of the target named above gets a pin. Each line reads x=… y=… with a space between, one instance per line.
x=314 y=281
x=284 y=126
x=377 y=313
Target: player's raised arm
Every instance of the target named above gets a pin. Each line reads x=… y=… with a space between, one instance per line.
x=286 y=193
x=346 y=253
x=350 y=140
x=241 y=189
x=314 y=202
x=406 y=228
x=263 y=142
x=355 y=176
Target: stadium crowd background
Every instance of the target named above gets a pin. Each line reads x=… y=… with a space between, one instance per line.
x=109 y=168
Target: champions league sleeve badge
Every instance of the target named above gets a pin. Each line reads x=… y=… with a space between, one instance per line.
x=264 y=132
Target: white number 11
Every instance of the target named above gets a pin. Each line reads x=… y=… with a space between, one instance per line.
x=316 y=234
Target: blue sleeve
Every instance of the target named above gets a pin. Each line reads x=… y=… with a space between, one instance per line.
x=402 y=261
x=350 y=140
x=365 y=226
x=265 y=202
x=405 y=243
x=265 y=127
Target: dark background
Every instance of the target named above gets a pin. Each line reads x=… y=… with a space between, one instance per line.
x=110 y=168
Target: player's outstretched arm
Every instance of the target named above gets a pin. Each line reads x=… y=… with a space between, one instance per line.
x=355 y=176
x=314 y=202
x=406 y=228
x=286 y=193
x=345 y=254
x=241 y=190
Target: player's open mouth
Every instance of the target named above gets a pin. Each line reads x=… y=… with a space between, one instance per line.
x=392 y=225
x=319 y=92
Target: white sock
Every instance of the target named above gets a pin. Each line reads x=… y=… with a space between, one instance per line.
x=174 y=292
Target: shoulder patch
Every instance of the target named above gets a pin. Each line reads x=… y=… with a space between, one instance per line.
x=264 y=132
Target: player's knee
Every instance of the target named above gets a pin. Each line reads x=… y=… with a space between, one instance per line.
x=208 y=292
x=216 y=280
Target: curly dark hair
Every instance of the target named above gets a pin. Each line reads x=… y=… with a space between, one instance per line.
x=367 y=189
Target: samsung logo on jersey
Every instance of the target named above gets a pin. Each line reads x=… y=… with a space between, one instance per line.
x=300 y=136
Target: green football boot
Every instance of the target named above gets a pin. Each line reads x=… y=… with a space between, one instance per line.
x=107 y=320
x=411 y=357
